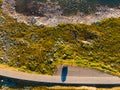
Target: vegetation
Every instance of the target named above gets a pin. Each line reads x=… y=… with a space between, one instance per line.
x=40 y=49
x=71 y=7
x=61 y=88
x=0 y=2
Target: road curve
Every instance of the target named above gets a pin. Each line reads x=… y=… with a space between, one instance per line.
x=57 y=78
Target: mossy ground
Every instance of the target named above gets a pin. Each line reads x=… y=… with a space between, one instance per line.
x=0 y=2
x=63 y=88
x=41 y=49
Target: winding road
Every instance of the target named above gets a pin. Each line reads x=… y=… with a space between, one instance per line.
x=73 y=75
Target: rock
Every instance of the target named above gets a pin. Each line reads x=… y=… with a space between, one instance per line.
x=87 y=88
x=86 y=43
x=1 y=81
x=112 y=65
x=1 y=59
x=33 y=20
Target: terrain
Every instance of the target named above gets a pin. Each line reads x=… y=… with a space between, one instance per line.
x=54 y=12
x=33 y=41
x=41 y=49
x=85 y=76
x=67 y=7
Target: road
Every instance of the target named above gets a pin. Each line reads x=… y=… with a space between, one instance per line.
x=67 y=78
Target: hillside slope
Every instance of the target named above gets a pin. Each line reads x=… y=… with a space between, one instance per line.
x=40 y=49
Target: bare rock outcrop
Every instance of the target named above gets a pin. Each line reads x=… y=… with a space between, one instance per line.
x=51 y=13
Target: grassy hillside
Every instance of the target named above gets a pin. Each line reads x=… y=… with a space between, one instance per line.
x=40 y=49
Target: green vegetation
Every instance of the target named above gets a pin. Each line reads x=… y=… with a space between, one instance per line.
x=41 y=49
x=71 y=7
x=60 y=88
x=0 y=2
x=24 y=5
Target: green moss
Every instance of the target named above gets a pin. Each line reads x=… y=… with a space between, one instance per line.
x=0 y=2
x=40 y=49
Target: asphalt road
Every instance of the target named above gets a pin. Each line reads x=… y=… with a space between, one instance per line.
x=66 y=75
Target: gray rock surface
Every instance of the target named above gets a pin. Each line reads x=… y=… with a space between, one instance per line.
x=52 y=15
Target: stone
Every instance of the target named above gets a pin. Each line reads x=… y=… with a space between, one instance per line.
x=86 y=43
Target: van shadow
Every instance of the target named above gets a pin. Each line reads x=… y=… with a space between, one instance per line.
x=64 y=73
